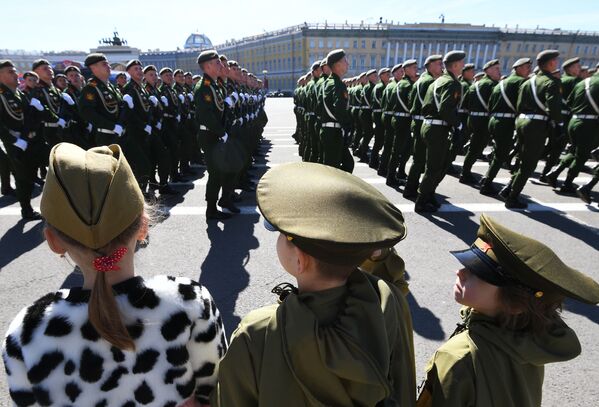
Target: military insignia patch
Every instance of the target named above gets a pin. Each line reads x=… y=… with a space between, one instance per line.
x=206 y=82
x=89 y=96
x=208 y=98
x=345 y=95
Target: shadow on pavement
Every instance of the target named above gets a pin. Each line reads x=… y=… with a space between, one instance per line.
x=425 y=323
x=559 y=221
x=458 y=224
x=19 y=241
x=223 y=271
x=586 y=310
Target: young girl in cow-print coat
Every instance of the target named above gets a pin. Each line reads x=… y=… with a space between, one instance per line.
x=120 y=340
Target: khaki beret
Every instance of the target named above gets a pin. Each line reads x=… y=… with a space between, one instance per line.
x=520 y=62
x=570 y=61
x=334 y=56
x=467 y=67
x=490 y=63
x=207 y=55
x=432 y=58
x=39 y=62
x=547 y=55
x=90 y=196
x=30 y=73
x=94 y=58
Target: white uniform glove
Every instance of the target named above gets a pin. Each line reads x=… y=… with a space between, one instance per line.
x=229 y=101
x=129 y=100
x=181 y=98
x=235 y=95
x=164 y=101
x=178 y=118
x=224 y=138
x=154 y=100
x=148 y=129
x=240 y=120
x=118 y=129
x=190 y=96
x=159 y=125
x=255 y=98
x=247 y=117
x=37 y=104
x=188 y=116
x=61 y=122
x=89 y=128
x=20 y=143
x=67 y=98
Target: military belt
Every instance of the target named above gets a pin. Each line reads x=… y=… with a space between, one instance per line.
x=566 y=112
x=436 y=122
x=585 y=116
x=202 y=127
x=365 y=108
x=462 y=111
x=377 y=110
x=310 y=113
x=105 y=131
x=479 y=114
x=170 y=116
x=417 y=117
x=333 y=125
x=48 y=124
x=401 y=114
x=504 y=115
x=533 y=117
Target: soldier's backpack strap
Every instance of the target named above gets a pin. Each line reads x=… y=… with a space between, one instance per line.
x=533 y=87
x=480 y=97
x=324 y=103
x=401 y=102
x=420 y=98
x=587 y=90
x=436 y=99
x=376 y=99
x=365 y=98
x=504 y=96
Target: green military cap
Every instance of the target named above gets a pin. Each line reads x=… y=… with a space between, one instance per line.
x=30 y=73
x=315 y=65
x=196 y=77
x=118 y=75
x=94 y=58
x=490 y=63
x=584 y=68
x=132 y=63
x=39 y=62
x=149 y=68
x=570 y=61
x=60 y=75
x=188 y=74
x=72 y=68
x=432 y=58
x=536 y=69
x=323 y=62
x=396 y=67
x=370 y=72
x=384 y=70
x=222 y=57
x=91 y=196
x=6 y=63
x=334 y=56
x=322 y=210
x=232 y=63
x=207 y=55
x=453 y=56
x=409 y=62
x=503 y=257
x=243 y=70
x=467 y=67
x=479 y=75
x=520 y=62
x=166 y=69
x=547 y=55
x=178 y=71
x=363 y=74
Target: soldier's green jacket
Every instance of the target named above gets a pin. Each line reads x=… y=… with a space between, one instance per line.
x=404 y=93
x=310 y=95
x=346 y=346
x=388 y=100
x=367 y=99
x=511 y=86
x=419 y=92
x=472 y=101
x=568 y=83
x=50 y=97
x=358 y=95
x=210 y=105
x=100 y=104
x=487 y=366
x=442 y=99
x=578 y=100
x=140 y=115
x=336 y=99
x=318 y=87
x=548 y=90
x=13 y=106
x=377 y=95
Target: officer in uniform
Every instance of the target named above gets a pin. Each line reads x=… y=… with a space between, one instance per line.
x=186 y=132
x=171 y=120
x=389 y=106
x=377 y=117
x=502 y=106
x=336 y=118
x=459 y=139
x=539 y=102
x=584 y=191
x=366 y=114
x=101 y=103
x=61 y=82
x=77 y=131
x=24 y=153
x=324 y=75
x=311 y=148
x=440 y=111
x=434 y=69
x=121 y=81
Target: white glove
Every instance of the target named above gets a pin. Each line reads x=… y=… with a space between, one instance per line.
x=178 y=118
x=15 y=134
x=242 y=96
x=164 y=101
x=118 y=129
x=190 y=96
x=67 y=98
x=255 y=98
x=181 y=98
x=89 y=128
x=61 y=122
x=247 y=95
x=159 y=125
x=188 y=116
x=20 y=143
x=148 y=129
x=154 y=100
x=235 y=95
x=37 y=104
x=224 y=138
x=240 y=120
x=229 y=101
x=129 y=100
x=247 y=117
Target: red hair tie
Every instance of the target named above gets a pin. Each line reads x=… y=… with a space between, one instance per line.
x=108 y=263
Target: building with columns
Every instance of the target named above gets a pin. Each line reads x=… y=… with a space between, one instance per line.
x=288 y=53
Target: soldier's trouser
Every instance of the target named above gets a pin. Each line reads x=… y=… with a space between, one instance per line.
x=557 y=142
x=457 y=145
x=160 y=158
x=4 y=171
x=357 y=136
x=418 y=157
x=77 y=135
x=24 y=165
x=332 y=143
x=389 y=138
x=136 y=147
x=379 y=137
x=585 y=137
x=502 y=133
x=367 y=130
x=170 y=139
x=103 y=139
x=187 y=145
x=401 y=145
x=314 y=141
x=52 y=135
x=532 y=135
x=216 y=178
x=307 y=155
x=437 y=143
x=297 y=134
x=479 y=140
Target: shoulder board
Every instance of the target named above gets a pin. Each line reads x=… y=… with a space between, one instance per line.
x=206 y=82
x=92 y=82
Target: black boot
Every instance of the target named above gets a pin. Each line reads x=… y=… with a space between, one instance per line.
x=467 y=178
x=584 y=193
x=424 y=204
x=214 y=214
x=551 y=177
x=228 y=206
x=513 y=202
x=166 y=189
x=568 y=186
x=392 y=179
x=505 y=191
x=487 y=188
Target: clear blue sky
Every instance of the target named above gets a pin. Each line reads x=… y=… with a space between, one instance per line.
x=76 y=25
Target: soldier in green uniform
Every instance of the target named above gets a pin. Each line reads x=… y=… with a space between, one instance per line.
x=434 y=68
x=23 y=152
x=584 y=191
x=77 y=131
x=318 y=87
x=343 y=337
x=539 y=101
x=459 y=139
x=476 y=102
x=336 y=119
x=297 y=135
x=502 y=105
x=51 y=101
x=440 y=111
x=171 y=120
x=389 y=106
x=583 y=129
x=512 y=288
x=184 y=129
x=311 y=147
x=101 y=103
x=366 y=114
x=121 y=81
x=377 y=117
x=357 y=103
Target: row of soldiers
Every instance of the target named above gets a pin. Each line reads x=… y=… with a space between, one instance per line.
x=156 y=117
x=449 y=110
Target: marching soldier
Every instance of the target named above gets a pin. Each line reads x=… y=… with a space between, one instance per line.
x=440 y=111
x=186 y=132
x=584 y=191
x=477 y=103
x=366 y=114
x=121 y=81
x=31 y=79
x=357 y=93
x=502 y=105
x=377 y=117
x=171 y=119
x=311 y=148
x=434 y=68
x=77 y=131
x=539 y=101
x=389 y=106
x=318 y=87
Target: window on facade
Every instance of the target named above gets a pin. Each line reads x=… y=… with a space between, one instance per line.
x=526 y=48
x=508 y=46
x=353 y=62
x=586 y=50
x=373 y=44
x=519 y=47
x=320 y=43
x=363 y=43
x=355 y=44
x=578 y=49
x=362 y=61
x=373 y=61
x=534 y=47
x=346 y=44
x=594 y=50
x=311 y=43
x=330 y=44
x=338 y=44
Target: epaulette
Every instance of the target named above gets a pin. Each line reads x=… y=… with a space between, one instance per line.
x=206 y=82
